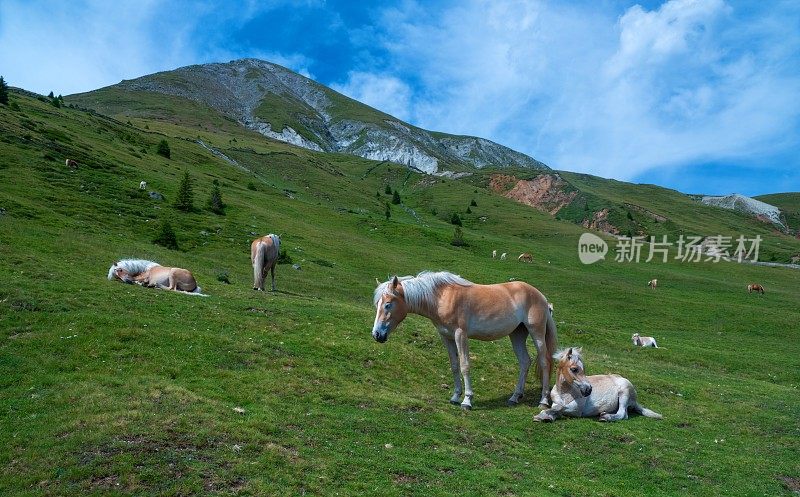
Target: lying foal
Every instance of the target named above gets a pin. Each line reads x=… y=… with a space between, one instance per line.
x=641 y=341
x=577 y=395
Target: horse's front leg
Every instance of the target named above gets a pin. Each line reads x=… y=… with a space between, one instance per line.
x=452 y=351
x=552 y=413
x=463 y=357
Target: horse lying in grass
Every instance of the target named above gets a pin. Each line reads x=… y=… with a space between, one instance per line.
x=755 y=287
x=460 y=309
x=264 y=256
x=574 y=394
x=641 y=341
x=525 y=257
x=153 y=275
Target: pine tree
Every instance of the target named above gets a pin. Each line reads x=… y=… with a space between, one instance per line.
x=458 y=238
x=163 y=149
x=388 y=211
x=166 y=236
x=3 y=91
x=469 y=211
x=473 y=203
x=184 y=201
x=215 y=203
x=388 y=190
x=396 y=198
x=455 y=219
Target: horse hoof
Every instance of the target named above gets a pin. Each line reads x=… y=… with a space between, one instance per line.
x=466 y=407
x=455 y=402
x=512 y=403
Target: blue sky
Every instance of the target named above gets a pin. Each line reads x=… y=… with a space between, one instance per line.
x=697 y=95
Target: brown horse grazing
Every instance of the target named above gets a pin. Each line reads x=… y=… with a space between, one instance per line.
x=525 y=257
x=71 y=163
x=264 y=256
x=652 y=283
x=577 y=395
x=755 y=287
x=153 y=275
x=460 y=309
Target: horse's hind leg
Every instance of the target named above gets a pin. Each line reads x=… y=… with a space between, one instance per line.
x=622 y=410
x=273 y=275
x=518 y=338
x=542 y=360
x=452 y=351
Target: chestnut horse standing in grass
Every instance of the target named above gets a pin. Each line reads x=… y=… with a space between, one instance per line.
x=264 y=255
x=755 y=287
x=460 y=309
x=154 y=275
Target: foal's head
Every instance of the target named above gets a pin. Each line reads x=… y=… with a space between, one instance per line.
x=391 y=309
x=570 y=371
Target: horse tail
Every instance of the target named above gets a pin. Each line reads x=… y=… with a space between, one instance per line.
x=258 y=265
x=646 y=412
x=551 y=344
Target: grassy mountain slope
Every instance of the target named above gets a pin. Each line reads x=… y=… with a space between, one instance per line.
x=788 y=203
x=108 y=388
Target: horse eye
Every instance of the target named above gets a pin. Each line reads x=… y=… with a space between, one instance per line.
x=387 y=305
x=574 y=370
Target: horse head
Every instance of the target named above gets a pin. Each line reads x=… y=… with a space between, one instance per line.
x=391 y=309
x=571 y=372
x=636 y=339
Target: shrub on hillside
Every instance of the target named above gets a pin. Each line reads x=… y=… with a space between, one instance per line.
x=458 y=238
x=215 y=203
x=163 y=149
x=456 y=219
x=3 y=91
x=166 y=236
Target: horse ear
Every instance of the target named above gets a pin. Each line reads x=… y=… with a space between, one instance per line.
x=395 y=283
x=569 y=353
x=377 y=281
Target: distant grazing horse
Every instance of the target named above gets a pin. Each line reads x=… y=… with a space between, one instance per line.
x=652 y=283
x=72 y=164
x=755 y=287
x=525 y=257
x=460 y=309
x=153 y=275
x=494 y=254
x=503 y=256
x=640 y=341
x=577 y=395
x=264 y=256
x=143 y=185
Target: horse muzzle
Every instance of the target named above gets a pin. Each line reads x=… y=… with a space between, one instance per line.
x=380 y=337
x=586 y=389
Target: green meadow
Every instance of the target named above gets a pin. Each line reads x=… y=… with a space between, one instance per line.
x=113 y=389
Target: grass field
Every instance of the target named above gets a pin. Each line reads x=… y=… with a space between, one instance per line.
x=111 y=389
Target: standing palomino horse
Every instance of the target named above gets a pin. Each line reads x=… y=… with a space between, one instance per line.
x=577 y=395
x=154 y=275
x=460 y=309
x=264 y=256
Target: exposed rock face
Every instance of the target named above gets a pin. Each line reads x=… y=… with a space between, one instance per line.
x=324 y=120
x=545 y=192
x=599 y=221
x=756 y=208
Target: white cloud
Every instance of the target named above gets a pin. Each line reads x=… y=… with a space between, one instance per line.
x=584 y=88
x=385 y=93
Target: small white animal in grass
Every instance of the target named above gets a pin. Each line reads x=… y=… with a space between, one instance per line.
x=494 y=254
x=641 y=341
x=503 y=256
x=143 y=185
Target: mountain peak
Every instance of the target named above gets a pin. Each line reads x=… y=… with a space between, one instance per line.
x=287 y=106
